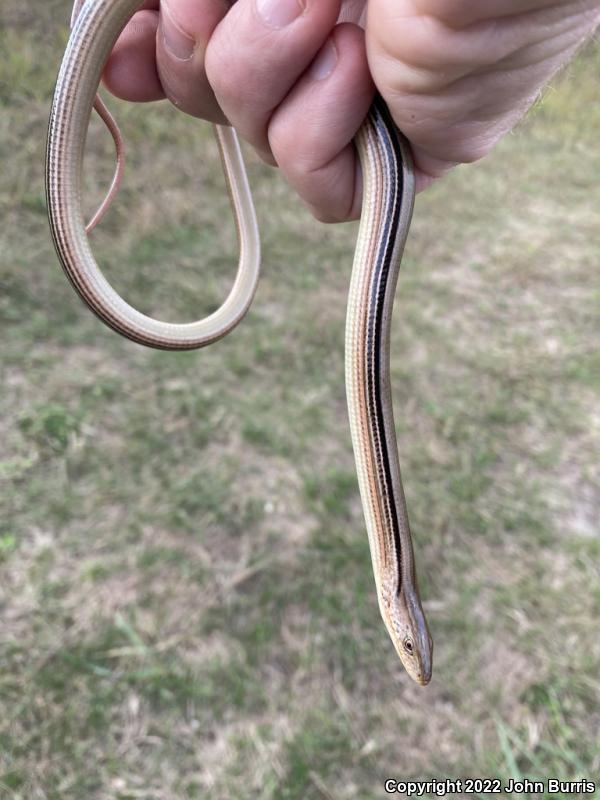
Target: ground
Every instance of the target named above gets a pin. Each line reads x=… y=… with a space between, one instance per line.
x=187 y=608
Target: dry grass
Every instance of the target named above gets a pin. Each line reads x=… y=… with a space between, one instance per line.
x=187 y=607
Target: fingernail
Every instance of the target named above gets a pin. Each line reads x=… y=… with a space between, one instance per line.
x=279 y=13
x=325 y=61
x=179 y=44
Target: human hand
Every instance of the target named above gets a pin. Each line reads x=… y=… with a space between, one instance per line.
x=293 y=77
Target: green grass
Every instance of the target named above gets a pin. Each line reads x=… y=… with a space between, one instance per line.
x=187 y=607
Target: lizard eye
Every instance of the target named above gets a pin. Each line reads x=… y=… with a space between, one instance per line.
x=408 y=646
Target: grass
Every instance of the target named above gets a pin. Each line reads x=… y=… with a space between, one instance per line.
x=187 y=607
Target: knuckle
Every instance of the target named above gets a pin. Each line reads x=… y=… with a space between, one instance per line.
x=323 y=215
x=223 y=77
x=232 y=78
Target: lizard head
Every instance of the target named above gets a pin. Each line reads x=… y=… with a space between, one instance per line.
x=408 y=629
